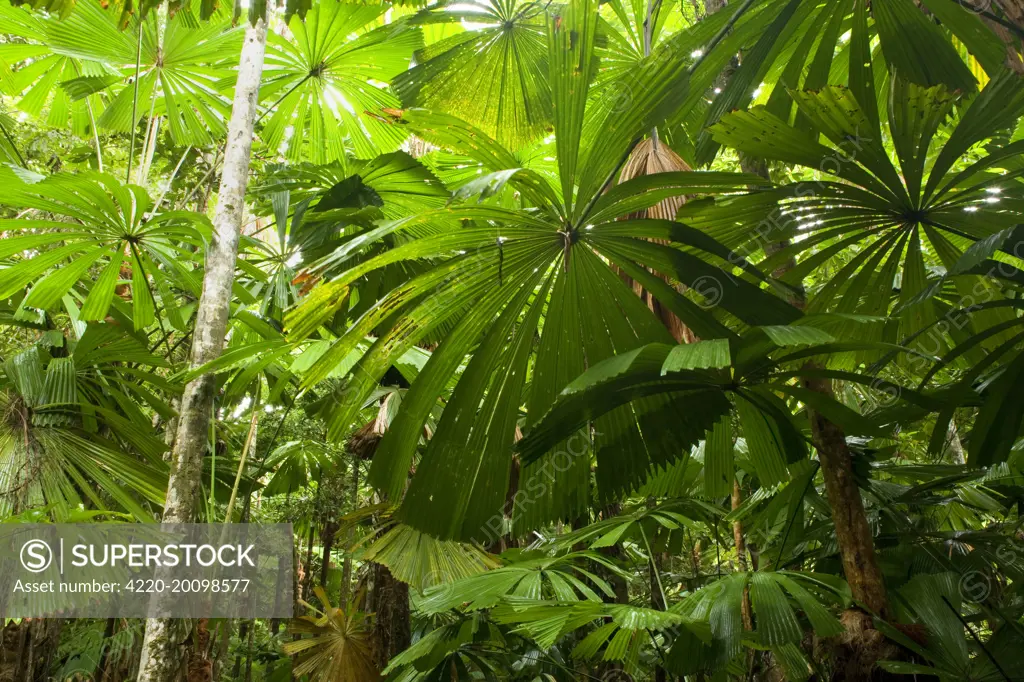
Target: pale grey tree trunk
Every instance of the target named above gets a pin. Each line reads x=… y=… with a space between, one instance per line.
x=956 y=448
x=162 y=651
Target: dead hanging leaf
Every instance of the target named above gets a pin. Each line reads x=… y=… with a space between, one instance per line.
x=648 y=158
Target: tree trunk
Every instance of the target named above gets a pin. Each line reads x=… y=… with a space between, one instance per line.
x=160 y=660
x=200 y=667
x=346 y=567
x=248 y=653
x=282 y=577
x=856 y=653
x=956 y=448
x=392 y=633
x=307 y=572
x=327 y=536
x=243 y=634
x=741 y=554
x=28 y=648
x=856 y=544
x=223 y=645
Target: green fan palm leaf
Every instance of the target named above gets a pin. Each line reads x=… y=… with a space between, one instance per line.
x=42 y=80
x=337 y=645
x=94 y=224
x=495 y=76
x=327 y=75
x=180 y=69
x=504 y=272
x=904 y=216
x=51 y=455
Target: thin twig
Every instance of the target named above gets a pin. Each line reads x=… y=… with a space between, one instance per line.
x=170 y=181
x=245 y=454
x=213 y=168
x=135 y=104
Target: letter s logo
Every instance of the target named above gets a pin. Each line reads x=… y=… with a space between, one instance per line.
x=36 y=556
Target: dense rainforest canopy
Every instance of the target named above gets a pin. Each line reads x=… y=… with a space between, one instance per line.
x=624 y=340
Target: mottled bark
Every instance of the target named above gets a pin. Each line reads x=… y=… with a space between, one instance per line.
x=392 y=632
x=853 y=534
x=27 y=649
x=327 y=537
x=215 y=302
x=171 y=431
x=161 y=652
x=200 y=667
x=858 y=650
x=956 y=448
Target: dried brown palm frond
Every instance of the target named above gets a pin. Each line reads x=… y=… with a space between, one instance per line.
x=363 y=443
x=652 y=156
x=335 y=646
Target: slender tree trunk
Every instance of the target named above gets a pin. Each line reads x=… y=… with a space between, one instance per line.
x=243 y=634
x=327 y=536
x=248 y=653
x=282 y=576
x=307 y=573
x=389 y=601
x=171 y=430
x=223 y=645
x=741 y=554
x=346 y=567
x=956 y=448
x=857 y=652
x=161 y=654
x=853 y=534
